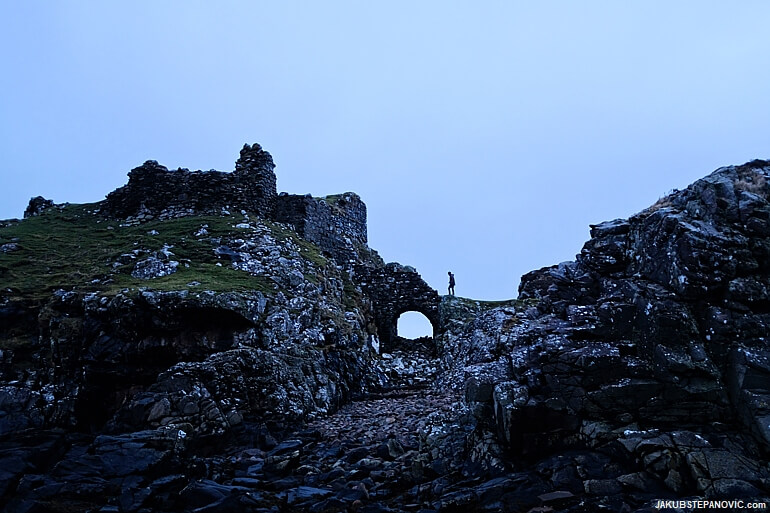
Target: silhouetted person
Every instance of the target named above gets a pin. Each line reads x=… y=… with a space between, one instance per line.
x=451 y=283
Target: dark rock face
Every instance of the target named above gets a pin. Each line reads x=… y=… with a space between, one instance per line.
x=126 y=467
x=163 y=377
x=638 y=372
x=196 y=367
x=37 y=205
x=650 y=348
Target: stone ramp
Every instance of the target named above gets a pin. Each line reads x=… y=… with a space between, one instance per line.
x=397 y=415
x=372 y=455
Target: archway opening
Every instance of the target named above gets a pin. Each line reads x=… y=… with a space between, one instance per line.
x=412 y=350
x=414 y=325
x=414 y=334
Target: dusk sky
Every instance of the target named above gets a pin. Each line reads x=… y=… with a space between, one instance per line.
x=484 y=137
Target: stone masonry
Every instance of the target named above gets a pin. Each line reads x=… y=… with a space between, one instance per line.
x=155 y=192
x=395 y=289
x=336 y=223
x=332 y=223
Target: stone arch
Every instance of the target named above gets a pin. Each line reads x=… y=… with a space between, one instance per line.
x=393 y=290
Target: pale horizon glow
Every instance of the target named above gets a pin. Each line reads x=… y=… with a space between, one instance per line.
x=414 y=325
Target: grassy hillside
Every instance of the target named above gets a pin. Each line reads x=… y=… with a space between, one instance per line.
x=74 y=246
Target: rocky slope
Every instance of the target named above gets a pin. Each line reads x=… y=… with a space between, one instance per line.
x=641 y=372
x=170 y=349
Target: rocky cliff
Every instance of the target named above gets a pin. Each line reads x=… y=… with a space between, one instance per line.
x=199 y=342
x=640 y=371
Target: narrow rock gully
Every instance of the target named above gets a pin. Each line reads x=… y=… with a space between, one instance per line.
x=371 y=456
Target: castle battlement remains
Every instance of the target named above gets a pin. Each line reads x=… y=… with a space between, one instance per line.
x=333 y=223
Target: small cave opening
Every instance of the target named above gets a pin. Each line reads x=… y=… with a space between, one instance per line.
x=122 y=365
x=204 y=318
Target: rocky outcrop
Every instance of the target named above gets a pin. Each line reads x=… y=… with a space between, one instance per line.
x=172 y=367
x=649 y=351
x=91 y=352
x=229 y=363
x=37 y=205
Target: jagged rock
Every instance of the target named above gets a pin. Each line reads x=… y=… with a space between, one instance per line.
x=284 y=457
x=110 y=466
x=36 y=206
x=638 y=371
x=659 y=322
x=154 y=267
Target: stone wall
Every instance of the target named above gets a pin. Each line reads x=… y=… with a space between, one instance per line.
x=333 y=223
x=395 y=289
x=155 y=192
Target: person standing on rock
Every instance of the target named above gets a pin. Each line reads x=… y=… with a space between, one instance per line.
x=451 y=283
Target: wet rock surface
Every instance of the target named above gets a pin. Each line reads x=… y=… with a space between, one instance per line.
x=370 y=455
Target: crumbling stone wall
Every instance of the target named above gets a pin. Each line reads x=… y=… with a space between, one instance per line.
x=155 y=192
x=332 y=223
x=336 y=224
x=395 y=289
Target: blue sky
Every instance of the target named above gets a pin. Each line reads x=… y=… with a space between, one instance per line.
x=484 y=136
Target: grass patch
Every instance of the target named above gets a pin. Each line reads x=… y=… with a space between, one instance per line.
x=476 y=304
x=350 y=296
x=15 y=343
x=489 y=305
x=208 y=277
x=307 y=249
x=666 y=201
x=751 y=180
x=73 y=245
x=332 y=199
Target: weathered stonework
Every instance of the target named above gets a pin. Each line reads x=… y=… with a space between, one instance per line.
x=395 y=289
x=336 y=224
x=155 y=192
x=333 y=223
